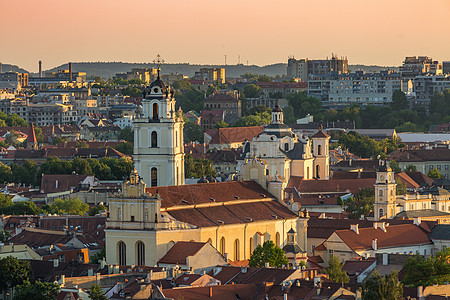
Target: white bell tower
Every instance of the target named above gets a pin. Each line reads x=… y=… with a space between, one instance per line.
x=158 y=137
x=385 y=194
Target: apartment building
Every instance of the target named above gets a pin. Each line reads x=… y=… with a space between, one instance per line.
x=20 y=78
x=416 y=66
x=337 y=90
x=211 y=75
x=302 y=68
x=426 y=86
x=229 y=103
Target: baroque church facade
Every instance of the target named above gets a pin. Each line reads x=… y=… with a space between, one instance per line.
x=277 y=153
x=158 y=153
x=154 y=209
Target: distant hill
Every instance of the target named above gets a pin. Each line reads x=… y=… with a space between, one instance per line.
x=12 y=68
x=110 y=69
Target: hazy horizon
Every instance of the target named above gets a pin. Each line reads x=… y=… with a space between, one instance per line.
x=202 y=32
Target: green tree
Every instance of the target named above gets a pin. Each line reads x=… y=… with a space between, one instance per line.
x=399 y=100
x=14 y=120
x=53 y=165
x=4 y=236
x=37 y=291
x=126 y=134
x=395 y=166
x=183 y=85
x=361 y=204
x=401 y=187
x=192 y=132
x=268 y=253
x=335 y=271
x=434 y=173
x=410 y=168
x=132 y=91
x=81 y=166
x=13 y=272
x=57 y=140
x=377 y=287
x=97 y=256
x=97 y=209
x=252 y=91
x=258 y=109
x=82 y=144
x=197 y=168
x=125 y=148
x=221 y=124
x=96 y=293
x=420 y=271
x=303 y=105
x=69 y=206
x=5 y=173
x=254 y=120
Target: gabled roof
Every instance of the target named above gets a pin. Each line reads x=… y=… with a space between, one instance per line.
x=209 y=192
x=320 y=135
x=180 y=251
x=435 y=154
x=61 y=182
x=235 y=134
x=423 y=213
x=335 y=185
x=440 y=232
x=395 y=236
x=356 y=267
x=407 y=180
x=238 y=275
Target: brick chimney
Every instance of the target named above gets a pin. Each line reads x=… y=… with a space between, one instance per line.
x=355 y=228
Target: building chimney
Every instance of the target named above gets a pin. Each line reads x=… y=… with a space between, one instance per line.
x=70 y=72
x=375 y=244
x=381 y=225
x=210 y=292
x=420 y=292
x=266 y=265
x=417 y=221
x=355 y=228
x=40 y=68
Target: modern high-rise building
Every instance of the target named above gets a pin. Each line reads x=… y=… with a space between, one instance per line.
x=211 y=75
x=416 y=66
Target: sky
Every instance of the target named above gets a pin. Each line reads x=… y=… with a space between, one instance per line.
x=260 y=32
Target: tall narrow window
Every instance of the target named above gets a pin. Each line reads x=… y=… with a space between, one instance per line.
x=154 y=139
x=154 y=174
x=319 y=150
x=317 y=171
x=140 y=253
x=222 y=246
x=155 y=111
x=286 y=147
x=277 y=239
x=236 y=249
x=122 y=253
x=381 y=213
x=176 y=138
x=251 y=245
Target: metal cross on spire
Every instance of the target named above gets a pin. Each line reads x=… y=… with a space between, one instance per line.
x=158 y=62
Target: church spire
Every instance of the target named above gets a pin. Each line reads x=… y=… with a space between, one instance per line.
x=31 y=140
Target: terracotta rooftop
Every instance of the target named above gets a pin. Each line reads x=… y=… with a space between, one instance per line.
x=217 y=292
x=235 y=134
x=436 y=154
x=237 y=213
x=355 y=267
x=395 y=236
x=335 y=185
x=61 y=182
x=180 y=251
x=238 y=275
x=192 y=194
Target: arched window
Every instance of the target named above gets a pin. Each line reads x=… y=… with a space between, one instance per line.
x=236 y=249
x=381 y=213
x=155 y=111
x=222 y=245
x=277 y=239
x=317 y=171
x=319 y=149
x=122 y=253
x=154 y=174
x=251 y=245
x=154 y=139
x=140 y=253
x=286 y=147
x=170 y=245
x=380 y=193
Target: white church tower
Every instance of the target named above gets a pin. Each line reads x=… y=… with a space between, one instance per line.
x=158 y=137
x=385 y=194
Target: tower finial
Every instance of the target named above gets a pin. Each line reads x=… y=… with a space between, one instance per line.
x=158 y=61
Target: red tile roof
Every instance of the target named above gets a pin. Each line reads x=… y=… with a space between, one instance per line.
x=180 y=251
x=352 y=267
x=235 y=134
x=407 y=180
x=208 y=192
x=335 y=185
x=238 y=213
x=395 y=236
x=32 y=136
x=436 y=154
x=61 y=182
x=218 y=292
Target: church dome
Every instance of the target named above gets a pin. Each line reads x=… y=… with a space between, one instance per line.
x=277 y=108
x=158 y=86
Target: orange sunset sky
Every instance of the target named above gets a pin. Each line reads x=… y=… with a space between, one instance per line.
x=262 y=32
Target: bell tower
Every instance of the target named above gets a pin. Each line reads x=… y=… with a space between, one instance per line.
x=321 y=155
x=158 y=136
x=385 y=194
